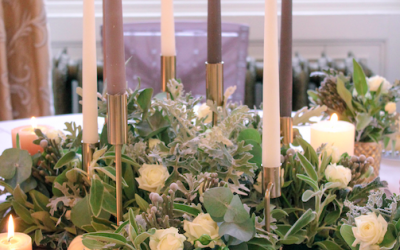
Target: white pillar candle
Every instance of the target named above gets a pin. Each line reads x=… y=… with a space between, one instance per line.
x=340 y=134
x=14 y=241
x=271 y=118
x=167 y=28
x=89 y=74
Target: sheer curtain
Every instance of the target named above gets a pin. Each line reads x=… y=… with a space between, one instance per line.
x=24 y=60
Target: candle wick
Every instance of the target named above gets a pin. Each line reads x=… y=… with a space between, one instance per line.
x=9 y=239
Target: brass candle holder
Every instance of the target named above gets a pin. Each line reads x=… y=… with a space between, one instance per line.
x=168 y=70
x=271 y=180
x=287 y=130
x=215 y=86
x=88 y=150
x=117 y=132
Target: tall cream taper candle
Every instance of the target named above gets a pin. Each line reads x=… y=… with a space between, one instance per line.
x=89 y=74
x=271 y=125
x=167 y=28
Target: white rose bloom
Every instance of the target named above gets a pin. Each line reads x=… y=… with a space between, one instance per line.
x=167 y=239
x=376 y=81
x=153 y=143
x=203 y=111
x=56 y=135
x=334 y=152
x=202 y=224
x=152 y=177
x=390 y=107
x=338 y=173
x=370 y=231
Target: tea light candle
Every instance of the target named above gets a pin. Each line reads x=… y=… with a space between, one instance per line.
x=14 y=241
x=340 y=134
x=27 y=136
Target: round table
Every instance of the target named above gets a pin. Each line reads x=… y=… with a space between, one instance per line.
x=390 y=168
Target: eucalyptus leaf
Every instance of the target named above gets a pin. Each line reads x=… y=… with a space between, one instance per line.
x=216 y=202
x=249 y=134
x=236 y=212
x=152 y=126
x=15 y=166
x=243 y=231
x=256 y=152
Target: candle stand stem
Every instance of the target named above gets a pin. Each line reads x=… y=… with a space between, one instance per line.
x=168 y=70
x=215 y=86
x=267 y=206
x=117 y=135
x=88 y=150
x=118 y=182
x=271 y=180
x=287 y=130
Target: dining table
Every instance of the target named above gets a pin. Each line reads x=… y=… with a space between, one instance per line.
x=389 y=171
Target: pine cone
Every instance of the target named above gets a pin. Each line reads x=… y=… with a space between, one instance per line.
x=329 y=96
x=361 y=168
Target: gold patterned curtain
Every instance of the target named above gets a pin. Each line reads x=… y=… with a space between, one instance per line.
x=24 y=60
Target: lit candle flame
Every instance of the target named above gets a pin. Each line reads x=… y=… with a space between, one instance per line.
x=334 y=118
x=34 y=122
x=10 y=228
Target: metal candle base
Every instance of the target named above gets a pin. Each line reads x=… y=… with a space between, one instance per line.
x=87 y=154
x=168 y=70
x=117 y=136
x=287 y=130
x=271 y=180
x=215 y=85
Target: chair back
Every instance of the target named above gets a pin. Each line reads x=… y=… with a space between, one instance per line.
x=143 y=45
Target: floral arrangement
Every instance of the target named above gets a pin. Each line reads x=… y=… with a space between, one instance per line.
x=368 y=103
x=188 y=185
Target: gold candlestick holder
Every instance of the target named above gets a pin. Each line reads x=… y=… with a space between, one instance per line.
x=168 y=70
x=287 y=130
x=271 y=180
x=88 y=150
x=215 y=86
x=117 y=135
